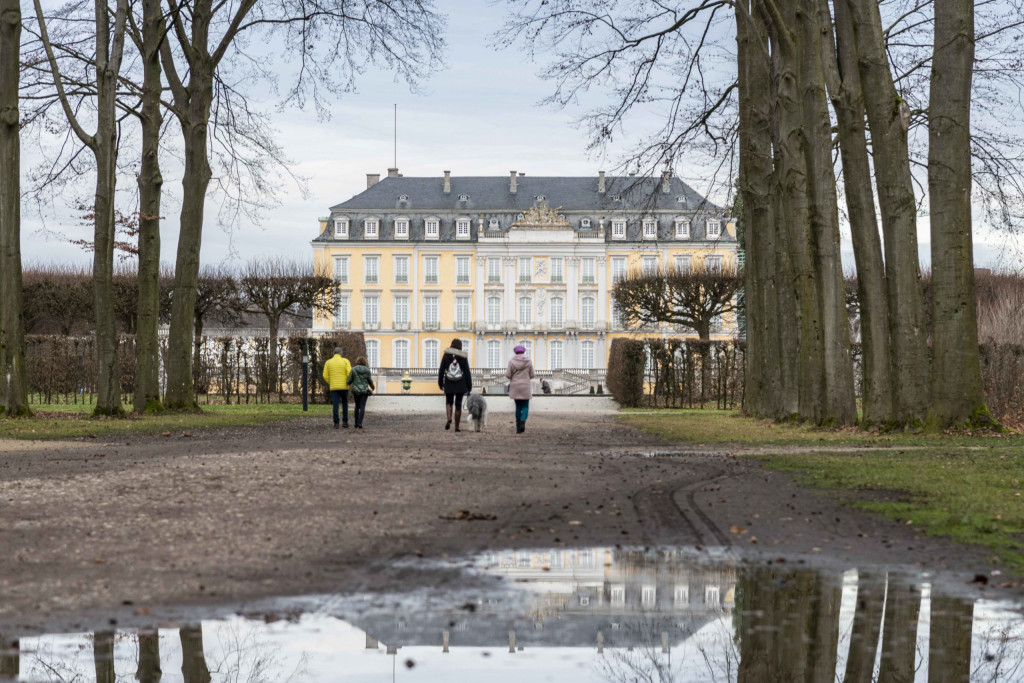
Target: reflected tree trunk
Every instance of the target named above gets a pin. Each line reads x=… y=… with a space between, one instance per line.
x=949 y=651
x=9 y=659
x=757 y=636
x=193 y=658
x=899 y=630
x=823 y=628
x=103 y=656
x=867 y=625
x=149 y=670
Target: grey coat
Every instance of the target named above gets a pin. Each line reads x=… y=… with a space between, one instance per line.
x=519 y=374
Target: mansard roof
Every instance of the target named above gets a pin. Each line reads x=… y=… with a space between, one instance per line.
x=492 y=193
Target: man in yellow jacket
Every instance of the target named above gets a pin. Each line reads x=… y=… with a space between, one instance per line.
x=336 y=372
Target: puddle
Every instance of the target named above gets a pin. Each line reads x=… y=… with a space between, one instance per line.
x=596 y=614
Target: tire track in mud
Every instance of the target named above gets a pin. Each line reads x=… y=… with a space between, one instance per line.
x=664 y=509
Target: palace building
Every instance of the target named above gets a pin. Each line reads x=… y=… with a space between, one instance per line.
x=500 y=261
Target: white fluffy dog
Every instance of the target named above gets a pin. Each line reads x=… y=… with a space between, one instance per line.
x=476 y=406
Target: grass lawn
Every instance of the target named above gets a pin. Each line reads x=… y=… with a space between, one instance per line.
x=71 y=421
x=961 y=486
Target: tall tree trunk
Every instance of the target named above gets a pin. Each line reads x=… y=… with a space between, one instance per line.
x=103 y=656
x=13 y=382
x=180 y=390
x=907 y=333
x=867 y=625
x=147 y=343
x=844 y=87
x=757 y=629
x=899 y=630
x=822 y=628
x=949 y=640
x=840 y=406
x=149 y=670
x=956 y=396
x=193 y=659
x=10 y=659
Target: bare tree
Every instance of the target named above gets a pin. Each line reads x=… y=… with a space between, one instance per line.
x=13 y=385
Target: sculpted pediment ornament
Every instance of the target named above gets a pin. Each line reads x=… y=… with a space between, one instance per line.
x=541 y=217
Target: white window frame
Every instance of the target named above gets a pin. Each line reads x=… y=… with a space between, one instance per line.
x=494 y=319
x=431 y=278
x=617 y=272
x=587 y=354
x=493 y=224
x=432 y=229
x=341 y=272
x=401 y=311
x=431 y=353
x=342 y=317
x=524 y=304
x=584 y=222
x=649 y=265
x=431 y=311
x=371 y=311
x=557 y=269
x=368 y=277
x=650 y=229
x=682 y=228
x=682 y=263
x=681 y=595
x=712 y=228
x=401 y=229
x=463 y=270
x=588 y=319
x=401 y=278
x=493 y=274
x=528 y=345
x=341 y=228
x=524 y=267
x=556 y=355
x=462 y=229
x=373 y=353
x=713 y=263
x=371 y=229
x=588 y=271
x=395 y=360
x=618 y=229
x=463 y=312
x=556 y=303
x=494 y=354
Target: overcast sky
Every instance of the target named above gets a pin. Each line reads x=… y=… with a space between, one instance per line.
x=480 y=116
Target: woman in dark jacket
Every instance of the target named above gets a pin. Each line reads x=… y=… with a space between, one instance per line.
x=455 y=380
x=360 y=383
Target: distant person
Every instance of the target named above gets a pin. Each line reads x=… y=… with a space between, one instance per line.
x=455 y=380
x=360 y=383
x=519 y=374
x=545 y=386
x=336 y=372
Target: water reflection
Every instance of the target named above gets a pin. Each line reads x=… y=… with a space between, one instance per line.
x=597 y=614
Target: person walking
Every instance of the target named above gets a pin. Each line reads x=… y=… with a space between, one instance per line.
x=455 y=380
x=519 y=374
x=336 y=371
x=360 y=383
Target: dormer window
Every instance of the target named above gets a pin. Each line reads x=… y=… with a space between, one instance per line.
x=681 y=199
x=341 y=228
x=493 y=224
x=540 y=198
x=462 y=229
x=371 y=228
x=714 y=229
x=585 y=223
x=682 y=228
x=618 y=229
x=650 y=229
x=520 y=216
x=431 y=228
x=463 y=197
x=616 y=197
x=403 y=197
x=401 y=228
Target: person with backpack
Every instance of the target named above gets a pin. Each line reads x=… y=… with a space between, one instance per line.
x=455 y=380
x=360 y=383
x=519 y=373
x=336 y=372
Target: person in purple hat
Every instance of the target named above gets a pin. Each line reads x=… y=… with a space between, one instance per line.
x=519 y=374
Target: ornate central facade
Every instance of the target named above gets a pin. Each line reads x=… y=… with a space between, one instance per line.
x=504 y=261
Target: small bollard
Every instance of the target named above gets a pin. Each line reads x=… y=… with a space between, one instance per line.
x=305 y=384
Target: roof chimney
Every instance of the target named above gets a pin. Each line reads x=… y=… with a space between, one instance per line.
x=372 y=179
x=666 y=180
x=447 y=182
x=512 y=182
x=393 y=173
x=600 y=182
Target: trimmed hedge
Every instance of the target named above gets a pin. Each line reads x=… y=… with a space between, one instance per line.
x=625 y=379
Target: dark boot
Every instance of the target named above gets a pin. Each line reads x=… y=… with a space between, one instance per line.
x=458 y=418
x=519 y=426
x=448 y=411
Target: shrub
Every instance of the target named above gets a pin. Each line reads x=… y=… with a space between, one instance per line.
x=626 y=371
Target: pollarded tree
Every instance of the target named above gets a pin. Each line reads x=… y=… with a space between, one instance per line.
x=692 y=298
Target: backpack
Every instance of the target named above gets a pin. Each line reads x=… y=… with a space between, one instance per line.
x=454 y=371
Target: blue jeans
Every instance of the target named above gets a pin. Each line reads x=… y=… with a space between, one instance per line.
x=522 y=409
x=342 y=395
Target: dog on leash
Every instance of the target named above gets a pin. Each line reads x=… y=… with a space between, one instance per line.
x=476 y=406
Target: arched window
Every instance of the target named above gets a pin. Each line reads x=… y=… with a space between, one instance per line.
x=556 y=313
x=528 y=345
x=373 y=353
x=587 y=355
x=555 y=355
x=525 y=310
x=401 y=355
x=494 y=359
x=431 y=353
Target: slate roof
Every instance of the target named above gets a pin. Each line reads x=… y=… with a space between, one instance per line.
x=491 y=193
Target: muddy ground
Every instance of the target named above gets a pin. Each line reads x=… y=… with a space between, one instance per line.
x=212 y=518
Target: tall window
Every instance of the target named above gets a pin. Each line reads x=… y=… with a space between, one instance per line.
x=525 y=310
x=462 y=312
x=401 y=270
x=650 y=229
x=341 y=319
x=650 y=265
x=371 y=270
x=431 y=353
x=341 y=228
x=618 y=268
x=371 y=228
x=556 y=311
x=528 y=345
x=467 y=347
x=589 y=271
x=401 y=312
x=525 y=264
x=682 y=229
x=494 y=310
x=682 y=264
x=587 y=312
x=341 y=269
x=557 y=269
x=494 y=270
x=587 y=355
x=401 y=229
x=431 y=312
x=462 y=270
x=431 y=228
x=494 y=354
x=373 y=353
x=618 y=230
x=713 y=264
x=401 y=356
x=462 y=229
x=618 y=318
x=430 y=270
x=371 y=311
x=555 y=355
x=713 y=229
